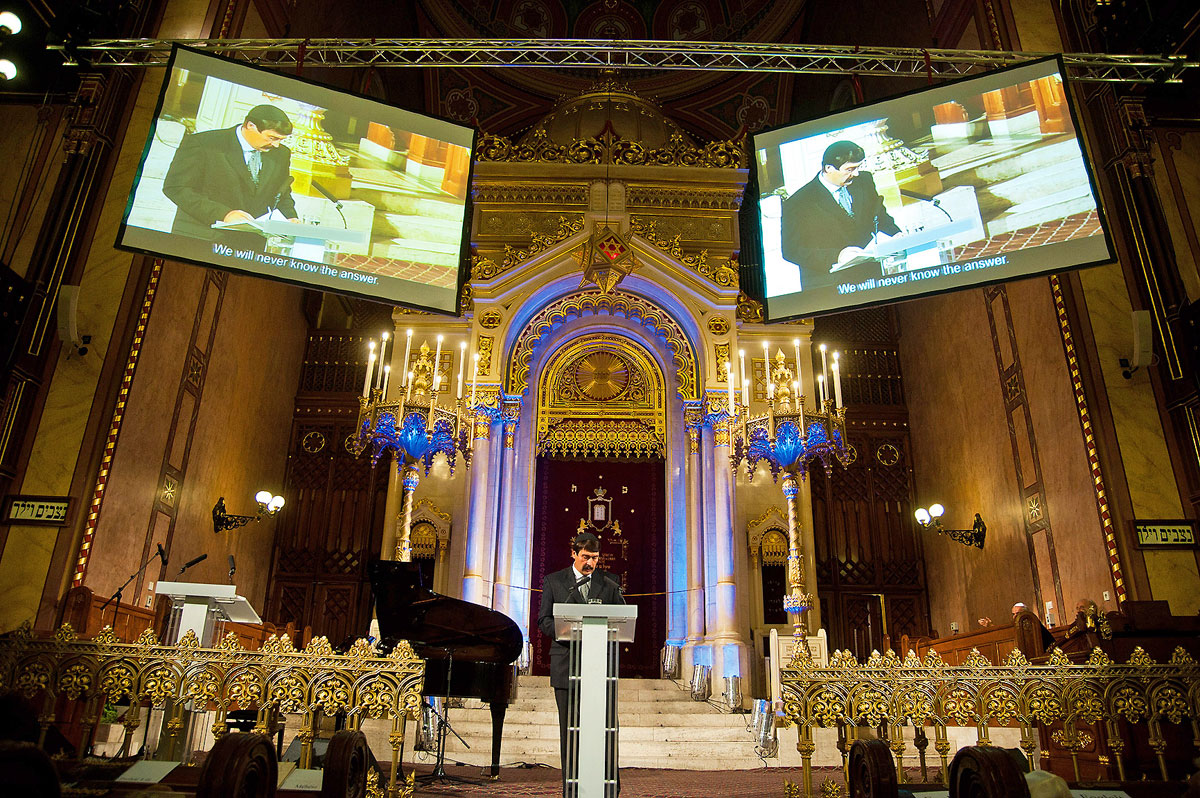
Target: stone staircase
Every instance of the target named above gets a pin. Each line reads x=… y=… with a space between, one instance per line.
x=661 y=727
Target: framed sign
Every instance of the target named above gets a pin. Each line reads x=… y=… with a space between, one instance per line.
x=1165 y=534
x=36 y=510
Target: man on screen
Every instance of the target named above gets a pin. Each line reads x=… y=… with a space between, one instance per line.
x=833 y=216
x=233 y=174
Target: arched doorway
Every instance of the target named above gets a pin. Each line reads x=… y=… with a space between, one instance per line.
x=601 y=443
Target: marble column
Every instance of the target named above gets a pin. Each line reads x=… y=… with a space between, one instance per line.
x=502 y=579
x=479 y=531
x=695 y=541
x=729 y=647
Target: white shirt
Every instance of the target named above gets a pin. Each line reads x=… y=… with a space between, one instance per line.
x=830 y=187
x=578 y=575
x=246 y=148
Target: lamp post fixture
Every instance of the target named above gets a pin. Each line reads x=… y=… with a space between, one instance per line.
x=268 y=505
x=413 y=425
x=931 y=518
x=789 y=437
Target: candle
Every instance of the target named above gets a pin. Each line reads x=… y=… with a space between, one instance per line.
x=799 y=376
x=824 y=367
x=382 y=348
x=462 y=365
x=370 y=368
x=767 y=368
x=387 y=375
x=837 y=381
x=821 y=388
x=407 y=348
x=437 y=365
x=474 y=376
x=745 y=385
x=408 y=391
x=729 y=382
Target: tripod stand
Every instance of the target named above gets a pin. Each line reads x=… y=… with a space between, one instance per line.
x=117 y=595
x=439 y=774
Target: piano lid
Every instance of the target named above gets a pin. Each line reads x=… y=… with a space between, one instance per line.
x=435 y=624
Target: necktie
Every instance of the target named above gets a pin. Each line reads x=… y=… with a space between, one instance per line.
x=584 y=584
x=843 y=198
x=255 y=165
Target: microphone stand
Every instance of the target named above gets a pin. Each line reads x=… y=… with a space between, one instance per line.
x=439 y=774
x=117 y=595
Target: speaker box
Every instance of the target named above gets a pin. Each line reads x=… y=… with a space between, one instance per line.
x=68 y=314
x=1143 y=339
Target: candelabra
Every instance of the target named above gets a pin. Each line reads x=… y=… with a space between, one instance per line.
x=414 y=426
x=789 y=437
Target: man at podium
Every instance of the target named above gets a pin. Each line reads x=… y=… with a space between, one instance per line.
x=231 y=175
x=830 y=219
x=580 y=583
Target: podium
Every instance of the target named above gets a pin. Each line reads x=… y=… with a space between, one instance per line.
x=593 y=630
x=204 y=609
x=309 y=241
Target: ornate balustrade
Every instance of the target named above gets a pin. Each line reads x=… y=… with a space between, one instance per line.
x=275 y=679
x=979 y=693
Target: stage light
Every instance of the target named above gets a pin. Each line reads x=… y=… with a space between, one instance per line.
x=7 y=69
x=10 y=24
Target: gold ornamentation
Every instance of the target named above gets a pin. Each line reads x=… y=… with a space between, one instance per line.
x=483 y=345
x=490 y=319
x=313 y=442
x=618 y=303
x=66 y=634
x=723 y=274
x=601 y=376
x=718 y=325
x=887 y=454
x=749 y=310
x=483 y=268
x=276 y=678
x=607 y=258
x=538 y=147
x=601 y=438
x=979 y=693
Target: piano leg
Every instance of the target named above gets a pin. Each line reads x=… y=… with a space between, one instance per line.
x=499 y=708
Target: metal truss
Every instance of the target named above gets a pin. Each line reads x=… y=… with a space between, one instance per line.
x=627 y=55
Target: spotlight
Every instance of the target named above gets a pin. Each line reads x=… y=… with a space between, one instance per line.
x=8 y=70
x=10 y=24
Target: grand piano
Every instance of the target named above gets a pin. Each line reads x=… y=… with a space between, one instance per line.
x=469 y=650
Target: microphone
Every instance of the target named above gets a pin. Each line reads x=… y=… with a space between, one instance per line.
x=934 y=201
x=192 y=562
x=337 y=204
x=162 y=555
x=232 y=566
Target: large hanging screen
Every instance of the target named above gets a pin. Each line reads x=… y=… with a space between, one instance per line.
x=977 y=181
x=249 y=170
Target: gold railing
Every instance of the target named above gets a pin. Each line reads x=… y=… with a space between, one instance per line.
x=927 y=692
x=276 y=679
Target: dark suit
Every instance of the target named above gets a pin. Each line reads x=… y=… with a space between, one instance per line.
x=208 y=178
x=816 y=227
x=559 y=588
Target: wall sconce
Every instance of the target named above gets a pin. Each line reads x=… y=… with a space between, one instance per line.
x=268 y=505
x=932 y=519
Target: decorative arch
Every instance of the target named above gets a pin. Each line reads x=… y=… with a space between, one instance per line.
x=616 y=303
x=431 y=528
x=602 y=395
x=763 y=533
